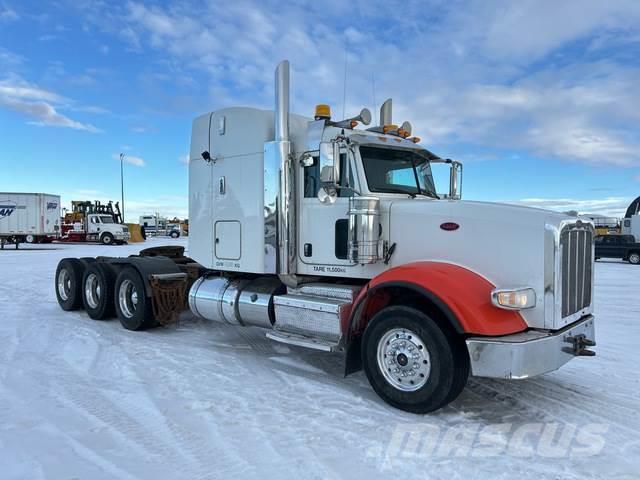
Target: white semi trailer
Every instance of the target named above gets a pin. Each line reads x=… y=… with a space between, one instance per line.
x=333 y=237
x=28 y=217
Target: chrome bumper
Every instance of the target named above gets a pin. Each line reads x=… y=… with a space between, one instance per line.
x=526 y=354
x=122 y=236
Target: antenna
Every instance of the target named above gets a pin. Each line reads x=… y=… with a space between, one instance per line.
x=344 y=86
x=373 y=85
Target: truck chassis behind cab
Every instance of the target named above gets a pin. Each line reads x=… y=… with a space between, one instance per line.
x=333 y=238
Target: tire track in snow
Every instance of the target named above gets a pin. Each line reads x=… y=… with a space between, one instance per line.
x=509 y=391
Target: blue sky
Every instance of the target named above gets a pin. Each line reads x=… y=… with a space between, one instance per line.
x=539 y=99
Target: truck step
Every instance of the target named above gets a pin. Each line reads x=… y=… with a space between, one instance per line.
x=302 y=341
x=311 y=316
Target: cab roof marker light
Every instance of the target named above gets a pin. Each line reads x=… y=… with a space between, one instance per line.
x=323 y=111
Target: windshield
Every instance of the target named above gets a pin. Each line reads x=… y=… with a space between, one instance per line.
x=397 y=171
x=106 y=219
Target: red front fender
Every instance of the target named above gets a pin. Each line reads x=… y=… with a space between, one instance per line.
x=463 y=296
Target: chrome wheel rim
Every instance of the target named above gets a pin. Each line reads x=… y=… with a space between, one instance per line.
x=634 y=258
x=403 y=359
x=128 y=298
x=64 y=284
x=92 y=290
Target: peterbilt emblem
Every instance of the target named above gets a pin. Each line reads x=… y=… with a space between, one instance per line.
x=449 y=226
x=7 y=207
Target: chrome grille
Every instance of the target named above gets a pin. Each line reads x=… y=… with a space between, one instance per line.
x=576 y=245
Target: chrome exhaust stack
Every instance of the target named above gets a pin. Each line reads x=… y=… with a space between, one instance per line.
x=286 y=262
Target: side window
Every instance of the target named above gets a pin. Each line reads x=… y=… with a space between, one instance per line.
x=312 y=179
x=627 y=223
x=598 y=240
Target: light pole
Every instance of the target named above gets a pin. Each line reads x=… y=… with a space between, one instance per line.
x=122 y=183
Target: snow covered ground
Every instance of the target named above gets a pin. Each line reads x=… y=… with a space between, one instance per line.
x=87 y=399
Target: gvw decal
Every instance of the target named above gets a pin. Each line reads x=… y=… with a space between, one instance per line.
x=7 y=207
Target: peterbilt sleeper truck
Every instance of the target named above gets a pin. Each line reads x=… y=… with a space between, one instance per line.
x=332 y=237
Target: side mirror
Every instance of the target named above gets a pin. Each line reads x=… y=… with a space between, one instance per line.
x=329 y=163
x=306 y=160
x=455 y=180
x=329 y=171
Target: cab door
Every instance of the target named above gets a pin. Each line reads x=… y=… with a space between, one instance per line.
x=93 y=224
x=324 y=227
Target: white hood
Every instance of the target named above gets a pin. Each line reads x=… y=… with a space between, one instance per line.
x=503 y=243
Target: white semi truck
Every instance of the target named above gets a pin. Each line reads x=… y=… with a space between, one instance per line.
x=28 y=217
x=95 y=222
x=332 y=237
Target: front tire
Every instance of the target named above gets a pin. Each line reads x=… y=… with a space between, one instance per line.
x=107 y=239
x=175 y=234
x=411 y=363
x=133 y=307
x=634 y=258
x=97 y=291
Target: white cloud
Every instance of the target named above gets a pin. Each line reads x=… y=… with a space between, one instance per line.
x=490 y=74
x=8 y=14
x=38 y=104
x=28 y=92
x=184 y=159
x=530 y=29
x=608 y=206
x=131 y=159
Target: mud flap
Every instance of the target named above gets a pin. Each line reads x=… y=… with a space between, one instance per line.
x=168 y=296
x=353 y=357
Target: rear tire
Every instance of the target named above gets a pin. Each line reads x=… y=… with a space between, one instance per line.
x=107 y=238
x=133 y=307
x=98 y=283
x=411 y=363
x=634 y=258
x=175 y=234
x=68 y=283
x=30 y=239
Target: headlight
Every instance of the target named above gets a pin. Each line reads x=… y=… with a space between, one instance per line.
x=514 y=299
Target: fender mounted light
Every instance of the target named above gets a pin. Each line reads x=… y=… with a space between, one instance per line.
x=514 y=299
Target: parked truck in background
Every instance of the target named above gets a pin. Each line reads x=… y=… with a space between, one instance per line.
x=28 y=217
x=624 y=247
x=334 y=238
x=94 y=222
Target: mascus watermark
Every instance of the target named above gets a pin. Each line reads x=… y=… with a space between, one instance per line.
x=550 y=440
